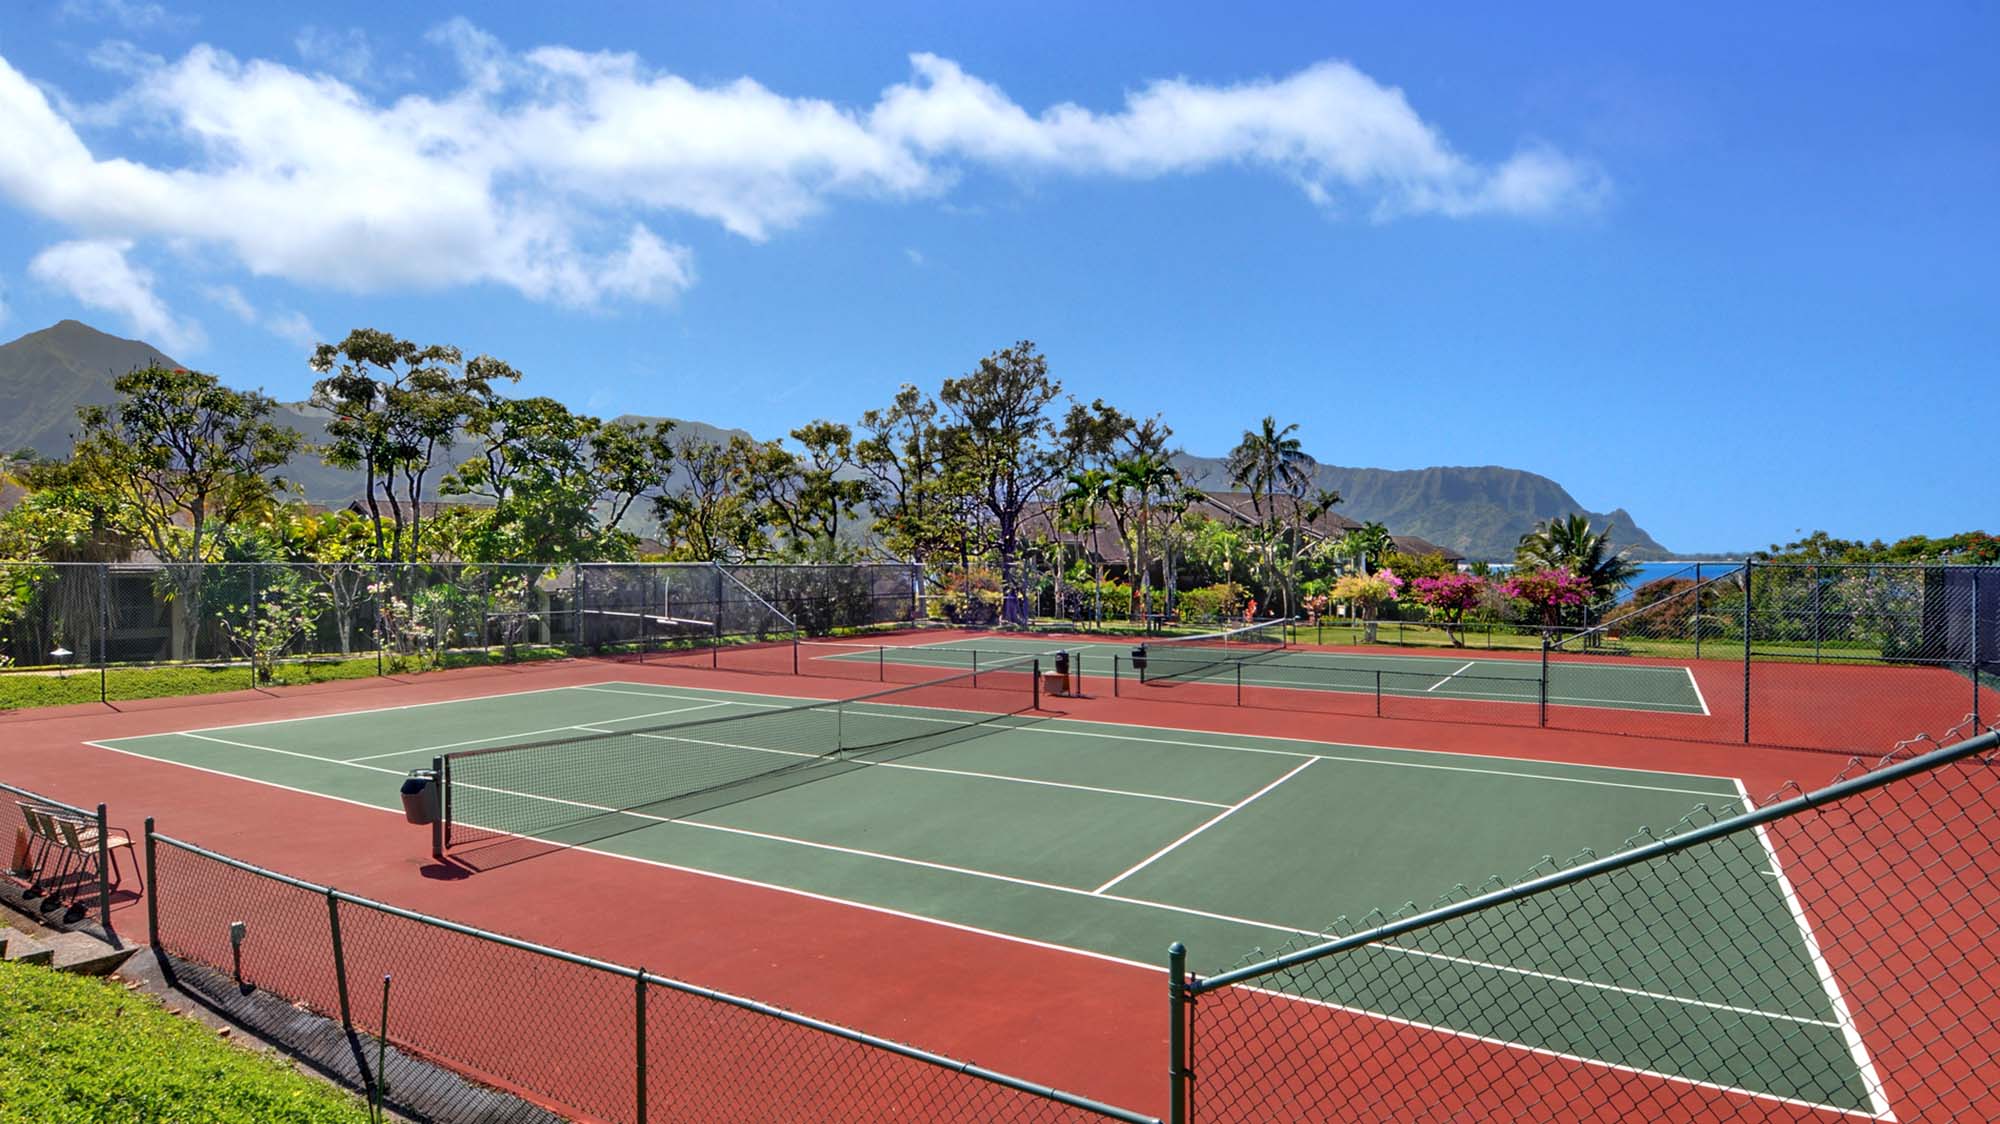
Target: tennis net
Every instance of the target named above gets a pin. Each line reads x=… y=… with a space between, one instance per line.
x=585 y=786
x=1191 y=657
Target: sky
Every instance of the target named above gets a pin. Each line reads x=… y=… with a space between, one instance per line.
x=1731 y=267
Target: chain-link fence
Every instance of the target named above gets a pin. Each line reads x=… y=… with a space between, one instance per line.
x=1825 y=956
x=107 y=632
x=1815 y=656
x=65 y=857
x=594 y=1039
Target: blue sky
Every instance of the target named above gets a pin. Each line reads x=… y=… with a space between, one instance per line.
x=1732 y=267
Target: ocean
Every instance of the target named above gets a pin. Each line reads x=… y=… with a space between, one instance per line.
x=1654 y=571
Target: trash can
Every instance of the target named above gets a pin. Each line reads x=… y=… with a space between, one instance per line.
x=1062 y=664
x=420 y=797
x=1057 y=681
x=1139 y=661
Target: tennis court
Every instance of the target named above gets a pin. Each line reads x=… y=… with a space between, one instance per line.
x=954 y=802
x=1651 y=688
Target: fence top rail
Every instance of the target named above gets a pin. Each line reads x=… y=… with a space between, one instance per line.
x=1888 y=774
x=47 y=801
x=639 y=974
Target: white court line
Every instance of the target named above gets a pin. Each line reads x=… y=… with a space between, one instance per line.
x=1696 y=684
x=547 y=730
x=1029 y=941
x=1544 y=1051
x=1100 y=894
x=1449 y=678
x=864 y=762
x=1163 y=852
x=373 y=710
x=1067 y=728
x=1878 y=1097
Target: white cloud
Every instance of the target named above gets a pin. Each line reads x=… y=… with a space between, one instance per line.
x=132 y=15
x=98 y=274
x=915 y=255
x=546 y=171
x=344 y=54
x=286 y=324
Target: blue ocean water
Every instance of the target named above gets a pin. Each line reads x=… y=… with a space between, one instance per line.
x=1654 y=571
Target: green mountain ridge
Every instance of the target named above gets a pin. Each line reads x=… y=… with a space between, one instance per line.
x=1479 y=511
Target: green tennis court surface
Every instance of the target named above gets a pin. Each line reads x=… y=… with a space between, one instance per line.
x=1572 y=682
x=1114 y=840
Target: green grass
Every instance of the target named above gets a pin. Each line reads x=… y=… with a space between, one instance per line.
x=73 y=1048
x=23 y=689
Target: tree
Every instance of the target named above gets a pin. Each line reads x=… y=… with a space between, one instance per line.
x=1008 y=449
x=183 y=455
x=1086 y=496
x=1548 y=591
x=1569 y=543
x=1449 y=597
x=1268 y=461
x=805 y=497
x=709 y=518
x=1371 y=540
x=396 y=407
x=906 y=483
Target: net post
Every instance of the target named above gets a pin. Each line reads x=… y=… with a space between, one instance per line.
x=1378 y=692
x=715 y=627
x=104 y=871
x=152 y=892
x=1542 y=684
x=1114 y=675
x=795 y=653
x=1239 y=682
x=1036 y=671
x=639 y=1044
x=882 y=665
x=440 y=826
x=1178 y=1005
x=339 y=960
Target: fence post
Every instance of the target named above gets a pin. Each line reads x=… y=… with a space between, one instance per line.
x=252 y=626
x=104 y=871
x=105 y=629
x=1178 y=1071
x=1747 y=620
x=1697 y=610
x=1977 y=655
x=340 y=961
x=639 y=1043
x=152 y=893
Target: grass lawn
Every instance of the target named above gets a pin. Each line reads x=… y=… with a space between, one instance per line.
x=42 y=687
x=73 y=1048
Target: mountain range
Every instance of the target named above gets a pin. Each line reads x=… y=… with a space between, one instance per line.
x=1478 y=511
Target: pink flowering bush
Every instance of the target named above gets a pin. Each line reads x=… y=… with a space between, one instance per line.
x=1548 y=590
x=1450 y=597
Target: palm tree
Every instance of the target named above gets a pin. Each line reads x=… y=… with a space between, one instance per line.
x=1370 y=540
x=1086 y=495
x=1139 y=483
x=1569 y=543
x=1265 y=460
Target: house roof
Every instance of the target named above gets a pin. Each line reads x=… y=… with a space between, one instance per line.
x=1415 y=545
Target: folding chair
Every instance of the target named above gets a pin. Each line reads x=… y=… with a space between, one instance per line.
x=41 y=824
x=81 y=836
x=38 y=838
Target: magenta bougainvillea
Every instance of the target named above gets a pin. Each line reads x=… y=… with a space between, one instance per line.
x=1450 y=597
x=1551 y=591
